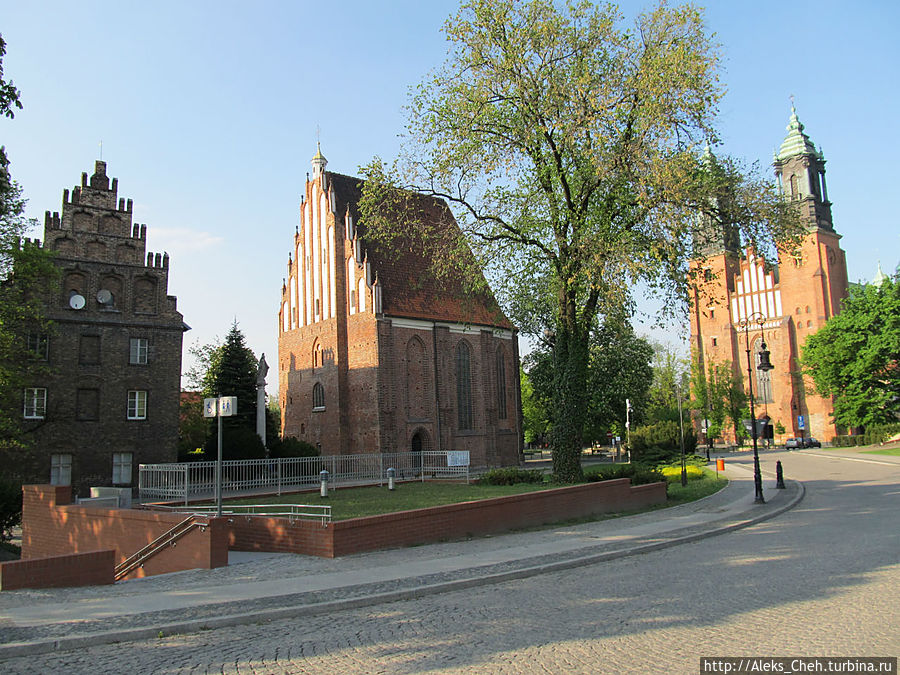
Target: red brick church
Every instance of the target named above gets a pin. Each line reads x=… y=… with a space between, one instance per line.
x=784 y=305
x=375 y=356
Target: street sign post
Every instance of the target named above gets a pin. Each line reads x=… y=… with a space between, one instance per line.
x=224 y=406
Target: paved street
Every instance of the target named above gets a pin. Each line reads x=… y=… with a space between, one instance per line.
x=821 y=579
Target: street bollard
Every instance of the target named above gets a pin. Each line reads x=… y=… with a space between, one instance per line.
x=390 y=474
x=323 y=483
x=779 y=476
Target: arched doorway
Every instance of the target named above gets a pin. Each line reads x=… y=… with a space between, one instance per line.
x=420 y=441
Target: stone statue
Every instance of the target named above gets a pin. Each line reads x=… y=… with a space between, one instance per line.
x=261 y=369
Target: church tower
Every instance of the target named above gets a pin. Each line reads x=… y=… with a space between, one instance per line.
x=792 y=300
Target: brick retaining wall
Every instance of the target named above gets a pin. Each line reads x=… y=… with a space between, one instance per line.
x=438 y=523
x=91 y=568
x=52 y=527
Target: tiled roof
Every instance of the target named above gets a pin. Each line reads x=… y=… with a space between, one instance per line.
x=409 y=286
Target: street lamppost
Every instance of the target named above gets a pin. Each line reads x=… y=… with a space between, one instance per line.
x=681 y=431
x=764 y=365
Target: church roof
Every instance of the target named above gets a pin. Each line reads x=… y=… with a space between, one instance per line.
x=796 y=142
x=410 y=288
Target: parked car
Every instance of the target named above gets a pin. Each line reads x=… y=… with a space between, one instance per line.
x=793 y=443
x=811 y=443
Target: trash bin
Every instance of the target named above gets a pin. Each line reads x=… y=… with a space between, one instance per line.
x=720 y=464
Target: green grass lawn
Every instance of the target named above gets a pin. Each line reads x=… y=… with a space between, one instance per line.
x=355 y=502
x=895 y=452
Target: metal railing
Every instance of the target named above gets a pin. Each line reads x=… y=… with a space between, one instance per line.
x=165 y=540
x=292 y=512
x=185 y=481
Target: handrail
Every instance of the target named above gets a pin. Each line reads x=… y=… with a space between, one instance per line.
x=168 y=538
x=321 y=512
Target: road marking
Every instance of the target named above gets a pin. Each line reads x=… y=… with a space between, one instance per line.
x=851 y=459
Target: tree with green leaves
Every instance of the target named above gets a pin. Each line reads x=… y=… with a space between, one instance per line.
x=535 y=419
x=669 y=381
x=731 y=386
x=717 y=396
x=567 y=143
x=855 y=356
x=27 y=280
x=229 y=369
x=618 y=369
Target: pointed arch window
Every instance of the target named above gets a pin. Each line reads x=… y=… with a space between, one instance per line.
x=318 y=396
x=501 y=385
x=463 y=387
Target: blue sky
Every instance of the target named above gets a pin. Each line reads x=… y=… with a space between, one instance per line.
x=208 y=114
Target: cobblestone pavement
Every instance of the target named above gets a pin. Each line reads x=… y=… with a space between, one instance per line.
x=822 y=579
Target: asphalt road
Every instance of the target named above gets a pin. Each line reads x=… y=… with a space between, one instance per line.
x=820 y=580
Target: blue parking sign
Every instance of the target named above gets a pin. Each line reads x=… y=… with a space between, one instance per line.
x=801 y=422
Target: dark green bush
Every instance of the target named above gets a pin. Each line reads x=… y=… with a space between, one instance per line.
x=638 y=473
x=291 y=447
x=10 y=507
x=871 y=436
x=511 y=476
x=660 y=443
x=237 y=443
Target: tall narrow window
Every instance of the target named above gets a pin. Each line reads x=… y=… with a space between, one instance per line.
x=138 y=351
x=137 y=405
x=121 y=468
x=501 y=385
x=39 y=345
x=318 y=396
x=35 y=403
x=60 y=469
x=463 y=387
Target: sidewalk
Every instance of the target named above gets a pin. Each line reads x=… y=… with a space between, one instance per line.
x=264 y=586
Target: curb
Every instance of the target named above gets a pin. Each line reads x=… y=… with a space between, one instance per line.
x=197 y=625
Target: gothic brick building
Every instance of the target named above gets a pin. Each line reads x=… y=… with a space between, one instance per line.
x=111 y=398
x=784 y=305
x=375 y=356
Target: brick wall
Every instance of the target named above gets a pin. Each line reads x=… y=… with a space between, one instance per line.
x=491 y=515
x=50 y=527
x=91 y=568
x=97 y=247
x=279 y=535
x=440 y=523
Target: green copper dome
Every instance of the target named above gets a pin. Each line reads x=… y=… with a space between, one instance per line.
x=796 y=142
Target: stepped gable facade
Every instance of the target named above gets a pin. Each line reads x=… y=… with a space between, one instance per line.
x=794 y=299
x=377 y=356
x=111 y=399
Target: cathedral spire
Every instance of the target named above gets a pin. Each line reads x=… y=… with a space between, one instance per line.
x=318 y=162
x=796 y=142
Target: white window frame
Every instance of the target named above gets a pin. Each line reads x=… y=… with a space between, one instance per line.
x=138 y=352
x=121 y=471
x=35 y=404
x=137 y=404
x=61 y=469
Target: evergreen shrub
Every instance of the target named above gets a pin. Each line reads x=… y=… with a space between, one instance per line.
x=290 y=446
x=511 y=476
x=638 y=473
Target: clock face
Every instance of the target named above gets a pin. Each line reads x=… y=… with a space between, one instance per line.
x=104 y=297
x=76 y=301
